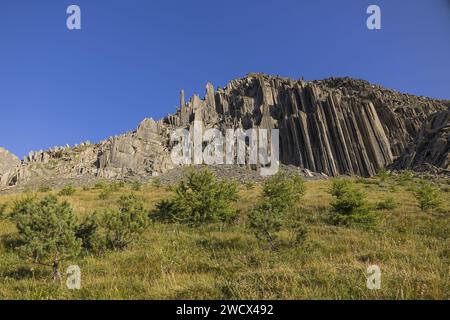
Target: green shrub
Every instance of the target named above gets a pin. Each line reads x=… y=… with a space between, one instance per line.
x=274 y=209
x=104 y=194
x=349 y=206
x=250 y=185
x=296 y=227
x=108 y=189
x=114 y=229
x=3 y=211
x=199 y=199
x=124 y=225
x=46 y=231
x=44 y=189
x=116 y=186
x=383 y=174
x=282 y=191
x=100 y=185
x=361 y=180
x=388 y=204
x=68 y=190
x=428 y=197
x=339 y=187
x=90 y=232
x=156 y=182
x=136 y=186
x=404 y=177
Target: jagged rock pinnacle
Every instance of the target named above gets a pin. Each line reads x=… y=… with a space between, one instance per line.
x=335 y=126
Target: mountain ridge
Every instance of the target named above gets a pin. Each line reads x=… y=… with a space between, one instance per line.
x=333 y=126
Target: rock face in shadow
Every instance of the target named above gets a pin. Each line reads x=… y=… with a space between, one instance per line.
x=430 y=151
x=332 y=127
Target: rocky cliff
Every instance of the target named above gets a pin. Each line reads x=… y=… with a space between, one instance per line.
x=8 y=165
x=336 y=126
x=333 y=127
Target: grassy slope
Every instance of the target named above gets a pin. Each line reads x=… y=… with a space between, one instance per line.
x=226 y=262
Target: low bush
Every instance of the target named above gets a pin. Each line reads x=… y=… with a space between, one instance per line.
x=274 y=211
x=104 y=194
x=250 y=185
x=296 y=227
x=100 y=185
x=116 y=186
x=156 y=182
x=383 y=175
x=46 y=230
x=388 y=204
x=114 y=229
x=89 y=231
x=3 y=211
x=428 y=197
x=199 y=199
x=68 y=190
x=108 y=189
x=350 y=206
x=44 y=189
x=404 y=177
x=136 y=186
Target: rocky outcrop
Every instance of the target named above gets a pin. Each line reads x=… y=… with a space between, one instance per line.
x=330 y=127
x=336 y=126
x=431 y=147
x=134 y=155
x=8 y=162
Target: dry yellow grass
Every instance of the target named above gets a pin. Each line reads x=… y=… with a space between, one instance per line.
x=227 y=262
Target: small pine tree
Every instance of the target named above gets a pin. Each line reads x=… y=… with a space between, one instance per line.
x=156 y=182
x=265 y=221
x=44 y=189
x=383 y=174
x=105 y=194
x=100 y=185
x=297 y=228
x=349 y=206
x=68 y=190
x=136 y=186
x=200 y=198
x=114 y=229
x=388 y=204
x=116 y=186
x=46 y=231
x=3 y=211
x=404 y=177
x=250 y=185
x=428 y=197
x=90 y=231
x=272 y=212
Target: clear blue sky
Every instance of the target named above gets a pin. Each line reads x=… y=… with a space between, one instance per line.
x=132 y=57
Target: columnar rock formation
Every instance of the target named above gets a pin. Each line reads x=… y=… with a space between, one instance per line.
x=335 y=126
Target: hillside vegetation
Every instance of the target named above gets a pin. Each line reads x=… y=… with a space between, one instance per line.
x=339 y=228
